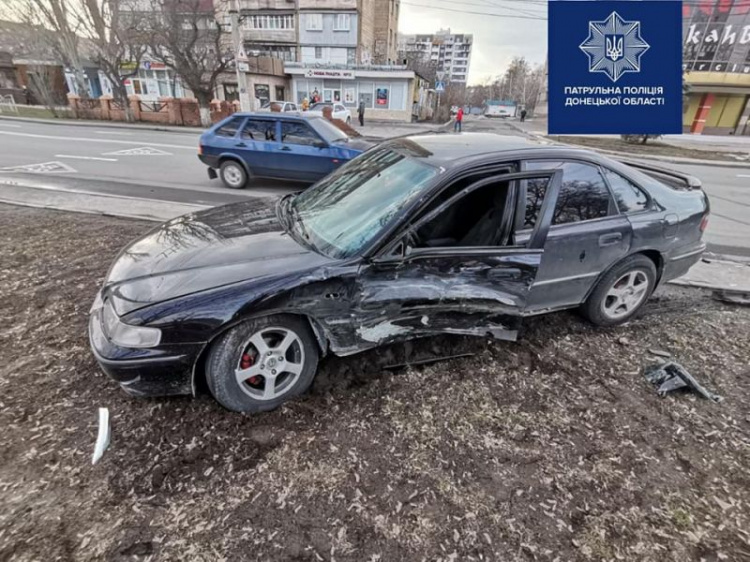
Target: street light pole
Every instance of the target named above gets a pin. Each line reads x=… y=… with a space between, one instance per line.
x=234 y=19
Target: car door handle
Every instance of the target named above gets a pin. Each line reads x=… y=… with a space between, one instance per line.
x=504 y=273
x=286 y=148
x=610 y=239
x=240 y=145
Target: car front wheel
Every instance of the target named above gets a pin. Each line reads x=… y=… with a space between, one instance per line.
x=233 y=174
x=622 y=292
x=260 y=364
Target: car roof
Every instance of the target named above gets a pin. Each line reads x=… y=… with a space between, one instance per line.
x=276 y=115
x=449 y=150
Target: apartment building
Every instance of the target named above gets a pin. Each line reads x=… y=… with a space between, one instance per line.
x=347 y=32
x=450 y=52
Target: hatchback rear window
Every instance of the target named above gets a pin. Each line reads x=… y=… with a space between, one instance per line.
x=229 y=129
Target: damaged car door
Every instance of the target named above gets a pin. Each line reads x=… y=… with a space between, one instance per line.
x=455 y=269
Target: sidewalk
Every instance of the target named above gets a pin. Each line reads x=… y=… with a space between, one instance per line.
x=537 y=128
x=372 y=129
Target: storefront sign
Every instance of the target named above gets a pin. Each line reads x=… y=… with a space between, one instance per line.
x=716 y=36
x=615 y=67
x=335 y=74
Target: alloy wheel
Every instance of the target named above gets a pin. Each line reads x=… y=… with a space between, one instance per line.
x=626 y=294
x=233 y=175
x=270 y=363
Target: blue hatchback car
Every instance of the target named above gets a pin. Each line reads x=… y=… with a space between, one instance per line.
x=275 y=145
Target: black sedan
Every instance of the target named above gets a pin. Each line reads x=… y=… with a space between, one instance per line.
x=425 y=235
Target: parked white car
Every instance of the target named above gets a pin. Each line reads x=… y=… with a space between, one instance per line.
x=339 y=111
x=279 y=106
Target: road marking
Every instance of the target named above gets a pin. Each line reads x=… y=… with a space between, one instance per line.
x=10 y=125
x=113 y=133
x=41 y=168
x=743 y=175
x=194 y=148
x=142 y=151
x=85 y=157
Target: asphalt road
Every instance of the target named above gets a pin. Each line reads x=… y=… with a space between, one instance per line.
x=163 y=166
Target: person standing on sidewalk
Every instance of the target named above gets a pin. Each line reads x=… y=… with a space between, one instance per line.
x=361 y=112
x=459 y=119
x=523 y=115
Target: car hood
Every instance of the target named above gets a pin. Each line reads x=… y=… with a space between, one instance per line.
x=205 y=250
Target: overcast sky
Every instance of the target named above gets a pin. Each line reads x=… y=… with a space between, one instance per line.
x=496 y=39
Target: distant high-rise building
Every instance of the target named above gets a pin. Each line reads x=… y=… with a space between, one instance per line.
x=450 y=52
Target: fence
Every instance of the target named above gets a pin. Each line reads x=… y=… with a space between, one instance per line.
x=166 y=111
x=8 y=104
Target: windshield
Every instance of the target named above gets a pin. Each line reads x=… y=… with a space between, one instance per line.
x=344 y=212
x=329 y=131
x=320 y=105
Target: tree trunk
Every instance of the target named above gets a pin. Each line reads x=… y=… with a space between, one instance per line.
x=204 y=108
x=121 y=96
x=645 y=138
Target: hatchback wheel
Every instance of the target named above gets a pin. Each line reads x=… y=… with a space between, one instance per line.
x=260 y=364
x=233 y=174
x=621 y=292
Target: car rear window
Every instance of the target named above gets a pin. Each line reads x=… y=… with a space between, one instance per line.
x=229 y=129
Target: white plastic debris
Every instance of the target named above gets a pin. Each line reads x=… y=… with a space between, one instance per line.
x=102 y=438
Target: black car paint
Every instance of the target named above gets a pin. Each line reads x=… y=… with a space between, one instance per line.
x=198 y=275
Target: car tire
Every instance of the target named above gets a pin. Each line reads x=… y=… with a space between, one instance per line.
x=233 y=174
x=277 y=350
x=622 y=292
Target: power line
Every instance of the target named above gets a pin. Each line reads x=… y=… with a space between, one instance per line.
x=472 y=12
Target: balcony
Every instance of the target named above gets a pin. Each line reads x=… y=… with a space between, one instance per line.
x=347 y=66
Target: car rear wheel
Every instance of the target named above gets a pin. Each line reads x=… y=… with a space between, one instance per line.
x=622 y=292
x=233 y=174
x=260 y=364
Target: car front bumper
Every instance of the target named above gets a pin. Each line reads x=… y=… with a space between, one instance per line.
x=164 y=370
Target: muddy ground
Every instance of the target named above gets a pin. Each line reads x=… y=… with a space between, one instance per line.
x=552 y=448
x=652 y=147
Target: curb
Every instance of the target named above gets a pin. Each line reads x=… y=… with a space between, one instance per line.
x=105 y=124
x=671 y=159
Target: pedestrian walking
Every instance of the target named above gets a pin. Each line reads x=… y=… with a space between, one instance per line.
x=459 y=119
x=523 y=115
x=361 y=112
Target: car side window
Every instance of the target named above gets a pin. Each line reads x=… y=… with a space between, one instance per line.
x=583 y=195
x=259 y=130
x=476 y=219
x=229 y=129
x=298 y=133
x=629 y=197
x=291 y=107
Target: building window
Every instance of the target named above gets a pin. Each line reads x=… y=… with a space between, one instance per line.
x=351 y=56
x=341 y=22
x=318 y=53
x=279 y=92
x=285 y=53
x=314 y=22
x=269 y=22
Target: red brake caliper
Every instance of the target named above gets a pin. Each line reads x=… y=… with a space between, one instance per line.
x=247 y=362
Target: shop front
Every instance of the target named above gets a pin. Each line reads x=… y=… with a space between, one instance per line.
x=386 y=93
x=716 y=59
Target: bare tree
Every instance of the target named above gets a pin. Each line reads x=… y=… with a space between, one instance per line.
x=42 y=87
x=58 y=18
x=420 y=63
x=118 y=32
x=190 y=40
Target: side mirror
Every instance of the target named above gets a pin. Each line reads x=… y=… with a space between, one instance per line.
x=320 y=144
x=395 y=257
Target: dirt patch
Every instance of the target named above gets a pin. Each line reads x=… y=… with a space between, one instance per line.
x=653 y=148
x=550 y=448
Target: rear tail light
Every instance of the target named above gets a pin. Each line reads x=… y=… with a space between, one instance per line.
x=200 y=150
x=704 y=223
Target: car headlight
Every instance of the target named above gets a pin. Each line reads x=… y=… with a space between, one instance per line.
x=126 y=335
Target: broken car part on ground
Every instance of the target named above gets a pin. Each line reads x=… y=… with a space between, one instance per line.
x=423 y=235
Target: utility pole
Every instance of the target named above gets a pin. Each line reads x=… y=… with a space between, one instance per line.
x=234 y=19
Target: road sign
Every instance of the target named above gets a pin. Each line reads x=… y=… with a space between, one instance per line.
x=440 y=75
x=439 y=86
